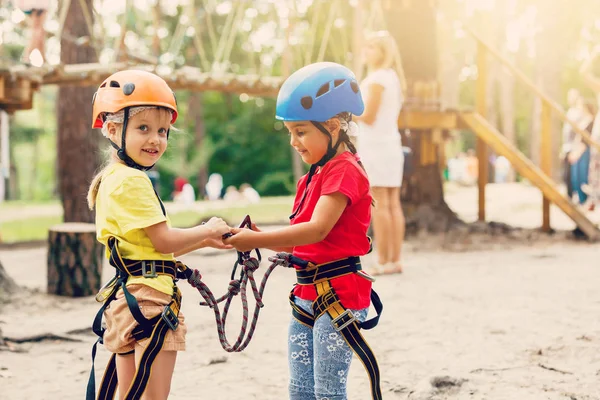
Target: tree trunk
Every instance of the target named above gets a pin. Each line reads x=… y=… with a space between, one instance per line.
x=74 y=260
x=12 y=185
x=7 y=284
x=77 y=142
x=413 y=25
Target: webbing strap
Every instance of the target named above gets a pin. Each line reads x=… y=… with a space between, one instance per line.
x=301 y=316
x=144 y=368
x=108 y=386
x=146 y=268
x=155 y=328
x=350 y=331
x=318 y=273
x=346 y=324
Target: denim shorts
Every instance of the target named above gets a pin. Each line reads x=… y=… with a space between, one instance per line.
x=319 y=358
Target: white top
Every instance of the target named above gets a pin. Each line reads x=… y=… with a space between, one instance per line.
x=385 y=127
x=27 y=5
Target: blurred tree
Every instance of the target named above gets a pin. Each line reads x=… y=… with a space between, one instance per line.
x=413 y=25
x=77 y=142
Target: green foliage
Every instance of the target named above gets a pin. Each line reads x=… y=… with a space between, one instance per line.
x=243 y=142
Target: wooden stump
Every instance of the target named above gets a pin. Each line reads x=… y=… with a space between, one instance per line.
x=74 y=260
x=7 y=285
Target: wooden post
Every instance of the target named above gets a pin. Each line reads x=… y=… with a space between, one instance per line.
x=546 y=158
x=74 y=260
x=4 y=155
x=481 y=108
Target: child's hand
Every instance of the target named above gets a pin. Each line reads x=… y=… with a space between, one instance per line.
x=254 y=228
x=217 y=227
x=243 y=239
x=216 y=244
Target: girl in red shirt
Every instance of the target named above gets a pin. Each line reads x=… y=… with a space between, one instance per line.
x=326 y=236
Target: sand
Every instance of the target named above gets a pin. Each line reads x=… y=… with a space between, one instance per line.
x=506 y=323
x=480 y=317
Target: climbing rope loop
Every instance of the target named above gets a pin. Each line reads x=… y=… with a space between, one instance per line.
x=248 y=265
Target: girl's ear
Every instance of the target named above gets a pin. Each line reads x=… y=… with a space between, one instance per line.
x=113 y=130
x=333 y=125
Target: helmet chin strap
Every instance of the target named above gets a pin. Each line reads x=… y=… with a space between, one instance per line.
x=121 y=151
x=331 y=150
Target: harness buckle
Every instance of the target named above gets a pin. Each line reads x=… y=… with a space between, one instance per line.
x=368 y=277
x=170 y=318
x=149 y=273
x=343 y=320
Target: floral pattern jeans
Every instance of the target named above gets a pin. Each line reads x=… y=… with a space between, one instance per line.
x=319 y=358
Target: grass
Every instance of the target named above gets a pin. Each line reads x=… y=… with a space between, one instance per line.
x=269 y=211
x=28 y=229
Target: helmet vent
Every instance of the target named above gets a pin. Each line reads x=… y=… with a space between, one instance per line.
x=338 y=82
x=306 y=102
x=103 y=85
x=354 y=86
x=114 y=84
x=323 y=89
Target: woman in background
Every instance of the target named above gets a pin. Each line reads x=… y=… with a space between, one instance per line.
x=380 y=146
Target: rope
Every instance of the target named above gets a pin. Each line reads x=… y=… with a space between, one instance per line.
x=239 y=286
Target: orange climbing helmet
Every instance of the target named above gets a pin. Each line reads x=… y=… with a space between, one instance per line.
x=132 y=88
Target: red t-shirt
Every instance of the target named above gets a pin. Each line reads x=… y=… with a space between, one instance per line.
x=348 y=237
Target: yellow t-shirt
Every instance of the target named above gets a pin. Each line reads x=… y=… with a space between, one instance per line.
x=125 y=205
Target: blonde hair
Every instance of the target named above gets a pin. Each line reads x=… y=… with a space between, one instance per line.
x=391 y=55
x=116 y=118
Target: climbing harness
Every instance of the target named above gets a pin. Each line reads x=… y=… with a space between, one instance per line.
x=156 y=328
x=342 y=319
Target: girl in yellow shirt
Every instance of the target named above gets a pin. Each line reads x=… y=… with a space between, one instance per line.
x=135 y=110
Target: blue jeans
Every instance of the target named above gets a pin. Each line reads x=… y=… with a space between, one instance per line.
x=579 y=175
x=319 y=358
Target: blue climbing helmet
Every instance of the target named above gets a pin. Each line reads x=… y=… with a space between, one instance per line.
x=318 y=92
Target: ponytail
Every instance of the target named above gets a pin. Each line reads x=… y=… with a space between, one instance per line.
x=346 y=140
x=95 y=185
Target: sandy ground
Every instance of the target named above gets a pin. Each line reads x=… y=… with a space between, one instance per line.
x=518 y=324
x=511 y=321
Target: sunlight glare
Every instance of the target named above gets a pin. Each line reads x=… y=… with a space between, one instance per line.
x=114 y=29
x=17 y=16
x=36 y=59
x=251 y=13
x=224 y=8
x=163 y=32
